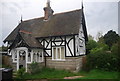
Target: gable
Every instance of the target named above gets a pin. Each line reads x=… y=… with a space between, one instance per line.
x=25 y=40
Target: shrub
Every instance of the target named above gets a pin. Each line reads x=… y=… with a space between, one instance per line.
x=20 y=73
x=99 y=58
x=34 y=68
x=114 y=50
x=90 y=45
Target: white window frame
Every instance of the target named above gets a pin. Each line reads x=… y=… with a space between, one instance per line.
x=56 y=48
x=30 y=58
x=14 y=52
x=41 y=59
x=37 y=56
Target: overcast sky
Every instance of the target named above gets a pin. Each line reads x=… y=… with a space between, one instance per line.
x=100 y=15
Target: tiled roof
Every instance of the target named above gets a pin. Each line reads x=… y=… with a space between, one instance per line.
x=66 y=23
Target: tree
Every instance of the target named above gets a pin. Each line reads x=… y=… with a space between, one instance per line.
x=111 y=38
x=99 y=35
x=91 y=44
x=114 y=49
x=3 y=48
x=100 y=58
x=90 y=37
x=101 y=40
x=119 y=56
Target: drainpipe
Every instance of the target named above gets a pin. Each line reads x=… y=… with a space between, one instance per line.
x=45 y=58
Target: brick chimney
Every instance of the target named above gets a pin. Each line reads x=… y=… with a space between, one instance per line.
x=48 y=12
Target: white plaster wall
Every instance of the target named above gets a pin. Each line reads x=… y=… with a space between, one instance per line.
x=58 y=43
x=49 y=46
x=70 y=45
x=81 y=50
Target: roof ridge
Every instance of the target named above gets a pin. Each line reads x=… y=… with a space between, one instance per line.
x=67 y=12
x=26 y=32
x=54 y=14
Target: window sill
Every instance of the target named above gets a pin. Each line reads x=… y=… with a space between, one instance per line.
x=29 y=62
x=37 y=62
x=58 y=60
x=40 y=61
x=14 y=61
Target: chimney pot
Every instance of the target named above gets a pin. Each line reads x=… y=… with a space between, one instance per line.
x=48 y=12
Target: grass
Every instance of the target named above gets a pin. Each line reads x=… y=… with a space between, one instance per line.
x=47 y=73
x=95 y=75
x=99 y=74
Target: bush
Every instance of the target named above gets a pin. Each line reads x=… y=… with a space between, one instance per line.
x=103 y=56
x=90 y=45
x=20 y=73
x=114 y=50
x=34 y=68
x=99 y=58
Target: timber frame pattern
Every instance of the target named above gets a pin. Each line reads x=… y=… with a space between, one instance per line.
x=52 y=42
x=63 y=35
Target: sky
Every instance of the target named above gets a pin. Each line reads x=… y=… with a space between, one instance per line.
x=100 y=15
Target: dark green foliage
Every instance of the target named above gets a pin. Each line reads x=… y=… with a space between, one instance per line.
x=110 y=38
x=114 y=49
x=119 y=51
x=6 y=66
x=99 y=47
x=118 y=55
x=21 y=73
x=101 y=40
x=34 y=68
x=105 y=55
x=3 y=48
x=102 y=60
x=91 y=44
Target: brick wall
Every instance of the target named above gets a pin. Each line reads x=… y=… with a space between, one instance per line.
x=71 y=63
x=6 y=60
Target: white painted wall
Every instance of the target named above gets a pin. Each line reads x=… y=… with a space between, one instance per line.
x=70 y=45
x=81 y=50
x=78 y=43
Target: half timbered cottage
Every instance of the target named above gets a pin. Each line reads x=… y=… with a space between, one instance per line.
x=55 y=40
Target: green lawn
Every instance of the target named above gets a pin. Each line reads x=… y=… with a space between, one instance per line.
x=98 y=74
x=95 y=75
x=47 y=73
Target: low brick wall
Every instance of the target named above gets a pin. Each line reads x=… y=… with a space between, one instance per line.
x=73 y=64
x=11 y=63
x=70 y=63
x=6 y=60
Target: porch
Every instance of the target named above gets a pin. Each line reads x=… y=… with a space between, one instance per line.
x=22 y=56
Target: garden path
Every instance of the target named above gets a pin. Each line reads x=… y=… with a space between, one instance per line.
x=73 y=77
